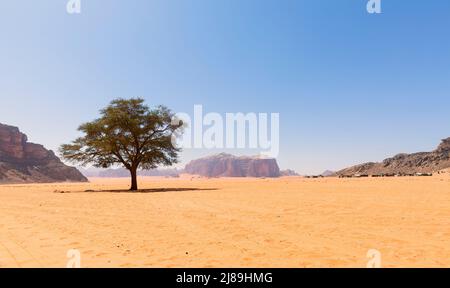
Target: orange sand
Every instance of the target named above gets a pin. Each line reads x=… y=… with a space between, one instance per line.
x=286 y=222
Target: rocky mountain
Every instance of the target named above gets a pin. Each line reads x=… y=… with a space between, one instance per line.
x=288 y=172
x=226 y=165
x=328 y=173
x=24 y=162
x=422 y=162
x=122 y=172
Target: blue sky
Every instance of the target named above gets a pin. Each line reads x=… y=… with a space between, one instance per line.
x=350 y=87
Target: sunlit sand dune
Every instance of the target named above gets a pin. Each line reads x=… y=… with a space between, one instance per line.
x=285 y=222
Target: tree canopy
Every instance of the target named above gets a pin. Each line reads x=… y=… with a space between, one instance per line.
x=128 y=133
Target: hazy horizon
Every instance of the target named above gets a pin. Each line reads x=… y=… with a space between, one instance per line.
x=350 y=87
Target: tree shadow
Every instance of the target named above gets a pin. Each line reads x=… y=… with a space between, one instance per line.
x=152 y=190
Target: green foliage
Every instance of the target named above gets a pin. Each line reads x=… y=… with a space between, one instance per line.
x=127 y=133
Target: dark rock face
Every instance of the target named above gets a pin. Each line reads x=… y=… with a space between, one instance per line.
x=423 y=162
x=225 y=165
x=23 y=162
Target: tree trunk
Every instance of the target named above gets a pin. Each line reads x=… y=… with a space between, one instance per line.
x=134 y=185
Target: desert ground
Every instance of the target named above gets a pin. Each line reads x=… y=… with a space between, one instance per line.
x=198 y=222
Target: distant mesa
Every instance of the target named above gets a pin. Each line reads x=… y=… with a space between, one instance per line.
x=422 y=163
x=24 y=162
x=220 y=165
x=328 y=173
x=288 y=172
x=124 y=173
x=226 y=165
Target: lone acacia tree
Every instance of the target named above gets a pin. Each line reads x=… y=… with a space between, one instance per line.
x=128 y=133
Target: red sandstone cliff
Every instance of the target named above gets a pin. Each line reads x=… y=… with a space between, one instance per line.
x=225 y=165
x=24 y=162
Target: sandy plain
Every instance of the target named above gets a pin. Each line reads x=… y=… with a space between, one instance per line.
x=197 y=222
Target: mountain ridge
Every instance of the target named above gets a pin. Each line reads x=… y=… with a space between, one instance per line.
x=25 y=162
x=403 y=163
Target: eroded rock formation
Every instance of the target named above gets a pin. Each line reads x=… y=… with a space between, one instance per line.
x=24 y=162
x=422 y=162
x=226 y=165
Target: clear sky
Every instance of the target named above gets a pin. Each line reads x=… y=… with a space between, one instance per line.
x=350 y=87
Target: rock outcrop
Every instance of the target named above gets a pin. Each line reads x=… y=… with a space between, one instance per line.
x=124 y=173
x=423 y=162
x=288 y=172
x=24 y=162
x=328 y=173
x=226 y=165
